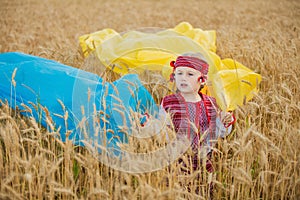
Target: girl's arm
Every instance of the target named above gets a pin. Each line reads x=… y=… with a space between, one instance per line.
x=151 y=126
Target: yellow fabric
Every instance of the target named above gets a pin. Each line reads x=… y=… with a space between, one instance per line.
x=231 y=83
x=90 y=42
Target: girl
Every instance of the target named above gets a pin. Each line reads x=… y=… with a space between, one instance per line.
x=195 y=115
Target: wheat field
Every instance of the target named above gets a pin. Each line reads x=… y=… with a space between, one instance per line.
x=260 y=160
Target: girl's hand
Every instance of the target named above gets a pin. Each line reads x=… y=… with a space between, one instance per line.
x=227 y=118
x=144 y=119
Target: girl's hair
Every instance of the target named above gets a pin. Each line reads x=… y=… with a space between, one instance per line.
x=196 y=55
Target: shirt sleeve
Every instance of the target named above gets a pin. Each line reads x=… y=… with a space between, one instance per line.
x=163 y=116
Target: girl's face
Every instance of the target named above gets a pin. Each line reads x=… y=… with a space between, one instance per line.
x=187 y=80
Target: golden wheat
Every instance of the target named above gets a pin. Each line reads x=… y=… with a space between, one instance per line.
x=259 y=160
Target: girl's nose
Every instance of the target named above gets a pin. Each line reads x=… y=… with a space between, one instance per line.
x=184 y=77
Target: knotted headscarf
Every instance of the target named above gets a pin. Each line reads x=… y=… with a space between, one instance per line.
x=190 y=61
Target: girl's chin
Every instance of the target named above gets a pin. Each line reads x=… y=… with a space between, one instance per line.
x=186 y=91
x=183 y=89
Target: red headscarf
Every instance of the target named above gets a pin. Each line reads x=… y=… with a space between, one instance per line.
x=192 y=62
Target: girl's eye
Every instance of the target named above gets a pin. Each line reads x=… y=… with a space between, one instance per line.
x=190 y=74
x=179 y=73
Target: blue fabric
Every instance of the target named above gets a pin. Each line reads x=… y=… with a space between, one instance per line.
x=41 y=83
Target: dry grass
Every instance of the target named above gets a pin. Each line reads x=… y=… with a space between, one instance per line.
x=259 y=161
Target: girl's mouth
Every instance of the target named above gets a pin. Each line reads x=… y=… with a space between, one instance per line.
x=183 y=85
